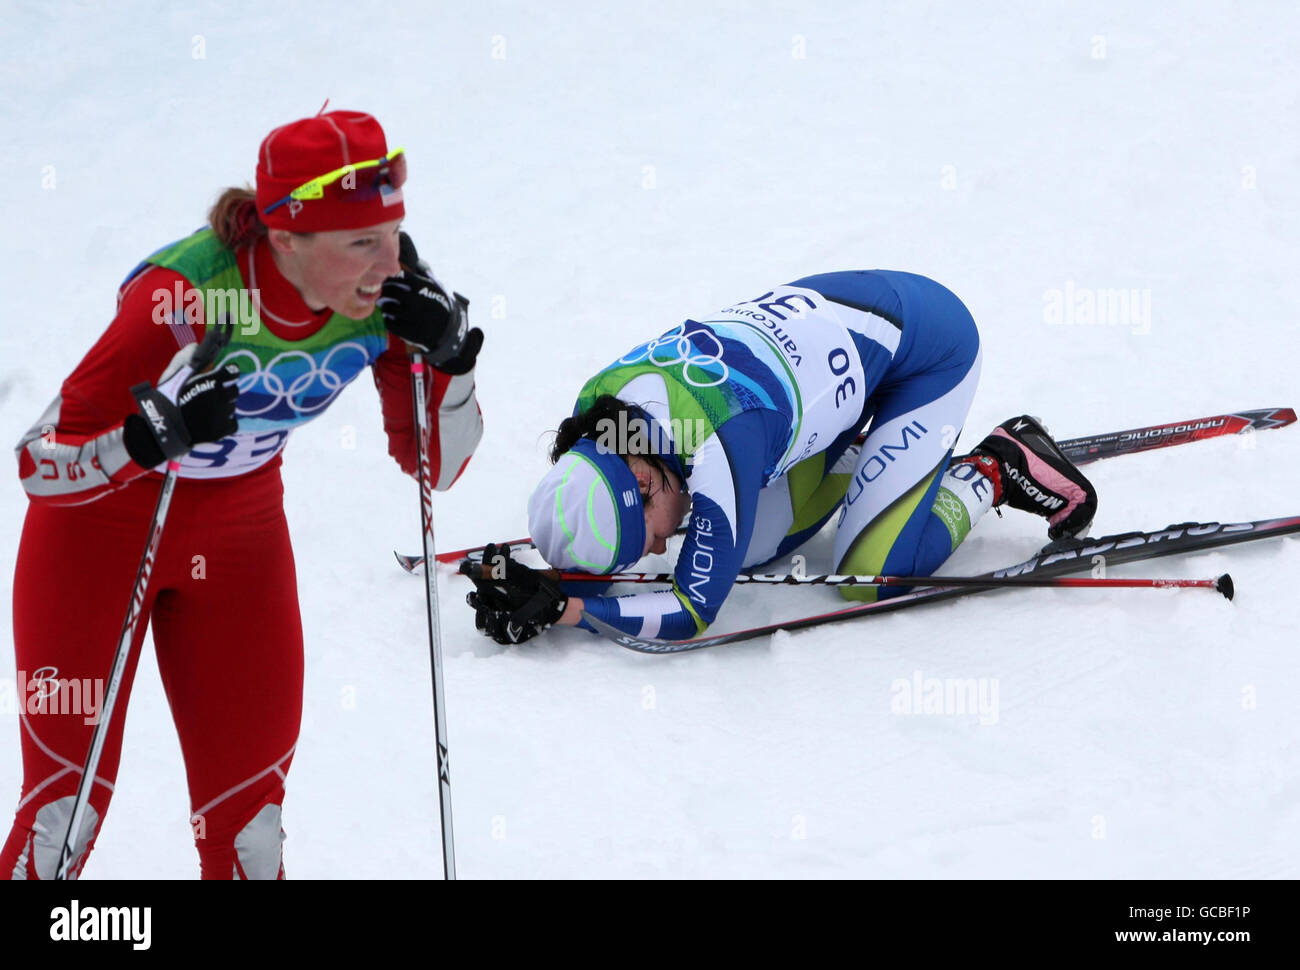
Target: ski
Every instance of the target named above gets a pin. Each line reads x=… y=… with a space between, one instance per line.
x=1095 y=447
x=414 y=563
x=1081 y=451
x=1056 y=559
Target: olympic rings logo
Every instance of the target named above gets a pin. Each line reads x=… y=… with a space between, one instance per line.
x=679 y=340
x=273 y=384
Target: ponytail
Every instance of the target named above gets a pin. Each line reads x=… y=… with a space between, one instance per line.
x=234 y=218
x=608 y=416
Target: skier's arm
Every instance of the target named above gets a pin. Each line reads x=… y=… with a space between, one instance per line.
x=455 y=421
x=725 y=480
x=80 y=448
x=422 y=315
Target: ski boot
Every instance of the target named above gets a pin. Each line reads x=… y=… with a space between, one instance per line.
x=1029 y=472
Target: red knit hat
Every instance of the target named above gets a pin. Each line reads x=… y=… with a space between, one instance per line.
x=303 y=150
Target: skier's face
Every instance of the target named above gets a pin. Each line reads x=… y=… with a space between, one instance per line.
x=343 y=270
x=665 y=504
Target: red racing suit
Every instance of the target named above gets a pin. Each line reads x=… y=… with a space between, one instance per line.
x=234 y=685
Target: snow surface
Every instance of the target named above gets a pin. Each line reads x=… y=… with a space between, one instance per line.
x=590 y=175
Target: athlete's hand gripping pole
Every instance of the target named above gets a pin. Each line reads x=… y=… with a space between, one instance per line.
x=201 y=360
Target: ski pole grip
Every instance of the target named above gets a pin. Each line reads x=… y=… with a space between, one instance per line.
x=214 y=341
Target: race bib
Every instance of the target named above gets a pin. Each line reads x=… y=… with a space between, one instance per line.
x=797 y=332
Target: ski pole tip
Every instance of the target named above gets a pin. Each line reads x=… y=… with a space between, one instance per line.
x=1224 y=585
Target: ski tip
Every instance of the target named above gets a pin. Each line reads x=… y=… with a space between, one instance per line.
x=410 y=563
x=1224 y=585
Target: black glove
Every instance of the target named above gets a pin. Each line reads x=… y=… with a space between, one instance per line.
x=184 y=410
x=418 y=310
x=512 y=602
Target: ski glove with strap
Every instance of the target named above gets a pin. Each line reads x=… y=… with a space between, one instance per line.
x=512 y=602
x=183 y=410
x=417 y=309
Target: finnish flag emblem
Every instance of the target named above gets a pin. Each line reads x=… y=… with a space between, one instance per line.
x=629 y=497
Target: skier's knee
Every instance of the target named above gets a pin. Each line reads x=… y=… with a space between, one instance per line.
x=865 y=557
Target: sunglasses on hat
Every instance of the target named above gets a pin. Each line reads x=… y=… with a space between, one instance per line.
x=390 y=175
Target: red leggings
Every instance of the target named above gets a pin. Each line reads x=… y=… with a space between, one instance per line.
x=223 y=602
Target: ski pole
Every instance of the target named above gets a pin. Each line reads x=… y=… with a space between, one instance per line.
x=1222 y=584
x=136 y=607
x=216 y=338
x=431 y=602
